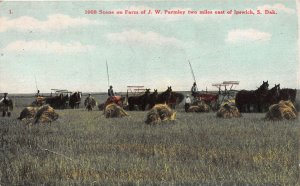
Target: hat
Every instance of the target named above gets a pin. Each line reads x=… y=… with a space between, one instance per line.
x=5 y=93
x=110 y=86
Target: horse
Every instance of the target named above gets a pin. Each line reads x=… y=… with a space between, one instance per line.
x=244 y=99
x=6 y=106
x=288 y=94
x=175 y=99
x=152 y=99
x=58 y=102
x=164 y=97
x=75 y=100
x=141 y=101
x=272 y=97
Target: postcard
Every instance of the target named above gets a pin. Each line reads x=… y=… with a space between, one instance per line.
x=149 y=92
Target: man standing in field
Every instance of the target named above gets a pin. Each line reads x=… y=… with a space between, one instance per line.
x=90 y=103
x=6 y=105
x=4 y=99
x=187 y=103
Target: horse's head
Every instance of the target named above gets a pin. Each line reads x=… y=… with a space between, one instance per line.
x=264 y=87
x=147 y=92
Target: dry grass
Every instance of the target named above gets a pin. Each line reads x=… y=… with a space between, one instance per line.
x=85 y=148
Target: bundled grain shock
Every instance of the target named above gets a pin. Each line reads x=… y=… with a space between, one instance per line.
x=28 y=113
x=199 y=106
x=114 y=111
x=160 y=112
x=45 y=114
x=282 y=110
x=228 y=110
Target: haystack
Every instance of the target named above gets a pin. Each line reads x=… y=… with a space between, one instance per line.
x=160 y=112
x=199 y=106
x=114 y=111
x=228 y=110
x=282 y=110
x=28 y=113
x=45 y=114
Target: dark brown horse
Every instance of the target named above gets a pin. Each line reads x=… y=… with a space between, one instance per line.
x=75 y=100
x=288 y=94
x=152 y=99
x=175 y=99
x=58 y=102
x=165 y=96
x=140 y=101
x=272 y=97
x=245 y=99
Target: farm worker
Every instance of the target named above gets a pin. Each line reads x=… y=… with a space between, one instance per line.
x=5 y=98
x=194 y=89
x=187 y=103
x=111 y=94
x=111 y=91
x=38 y=93
x=89 y=102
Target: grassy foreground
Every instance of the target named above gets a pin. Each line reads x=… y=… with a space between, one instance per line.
x=84 y=148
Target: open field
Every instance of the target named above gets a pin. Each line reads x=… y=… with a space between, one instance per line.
x=85 y=148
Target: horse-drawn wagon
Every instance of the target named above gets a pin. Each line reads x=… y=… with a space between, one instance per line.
x=225 y=92
x=58 y=101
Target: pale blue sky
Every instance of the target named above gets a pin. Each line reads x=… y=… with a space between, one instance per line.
x=64 y=48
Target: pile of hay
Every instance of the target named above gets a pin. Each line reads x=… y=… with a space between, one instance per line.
x=199 y=106
x=45 y=114
x=160 y=112
x=282 y=110
x=228 y=110
x=28 y=113
x=114 y=111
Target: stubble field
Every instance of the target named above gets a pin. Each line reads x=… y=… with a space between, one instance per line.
x=85 y=148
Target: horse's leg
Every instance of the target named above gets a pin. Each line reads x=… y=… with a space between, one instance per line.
x=3 y=113
x=8 y=114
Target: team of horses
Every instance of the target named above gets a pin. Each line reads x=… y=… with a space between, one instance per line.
x=260 y=99
x=60 y=101
x=148 y=100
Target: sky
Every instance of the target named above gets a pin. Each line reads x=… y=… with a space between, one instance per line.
x=52 y=44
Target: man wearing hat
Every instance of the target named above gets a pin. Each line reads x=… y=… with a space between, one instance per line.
x=4 y=99
x=187 y=103
x=111 y=91
x=7 y=105
x=194 y=89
